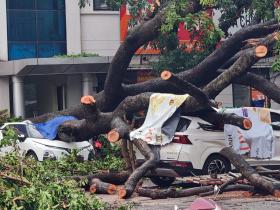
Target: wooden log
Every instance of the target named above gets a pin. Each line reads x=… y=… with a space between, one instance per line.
x=113 y=136
x=125 y=155
x=265 y=171
x=223 y=186
x=88 y=100
x=187 y=87
x=249 y=173
x=139 y=172
x=172 y=192
x=131 y=155
x=97 y=186
x=261 y=51
x=117 y=178
x=219 y=119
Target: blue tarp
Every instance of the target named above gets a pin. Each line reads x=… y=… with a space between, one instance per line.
x=49 y=128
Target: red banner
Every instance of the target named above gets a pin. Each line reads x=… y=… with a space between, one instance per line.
x=183 y=34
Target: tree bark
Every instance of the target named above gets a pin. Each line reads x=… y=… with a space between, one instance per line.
x=172 y=192
x=117 y=178
x=249 y=173
x=139 y=172
x=97 y=186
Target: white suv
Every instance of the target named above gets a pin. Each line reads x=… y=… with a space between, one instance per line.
x=197 y=151
x=32 y=143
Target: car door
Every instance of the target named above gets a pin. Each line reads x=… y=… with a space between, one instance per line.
x=275 y=118
x=19 y=129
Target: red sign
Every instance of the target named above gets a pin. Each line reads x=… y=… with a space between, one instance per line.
x=183 y=34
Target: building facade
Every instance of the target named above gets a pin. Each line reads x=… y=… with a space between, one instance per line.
x=35 y=77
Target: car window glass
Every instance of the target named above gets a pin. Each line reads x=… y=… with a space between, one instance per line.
x=34 y=133
x=183 y=124
x=19 y=128
x=275 y=117
x=210 y=127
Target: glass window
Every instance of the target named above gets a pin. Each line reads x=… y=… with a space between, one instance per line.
x=20 y=4
x=101 y=5
x=51 y=26
x=36 y=28
x=51 y=49
x=50 y=4
x=21 y=50
x=21 y=25
x=19 y=128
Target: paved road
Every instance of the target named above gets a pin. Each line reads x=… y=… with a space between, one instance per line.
x=228 y=202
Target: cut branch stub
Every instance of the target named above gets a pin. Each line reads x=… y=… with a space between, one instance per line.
x=88 y=100
x=247 y=124
x=261 y=51
x=113 y=136
x=165 y=75
x=187 y=87
x=121 y=192
x=97 y=186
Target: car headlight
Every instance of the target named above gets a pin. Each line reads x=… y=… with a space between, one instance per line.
x=49 y=155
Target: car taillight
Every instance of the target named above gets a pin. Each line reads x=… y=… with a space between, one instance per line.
x=181 y=139
x=181 y=164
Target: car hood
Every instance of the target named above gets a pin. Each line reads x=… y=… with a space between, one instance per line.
x=62 y=144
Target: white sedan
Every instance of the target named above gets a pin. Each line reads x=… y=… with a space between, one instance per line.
x=31 y=143
x=197 y=150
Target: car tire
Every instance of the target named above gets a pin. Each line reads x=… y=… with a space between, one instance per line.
x=32 y=155
x=162 y=181
x=216 y=164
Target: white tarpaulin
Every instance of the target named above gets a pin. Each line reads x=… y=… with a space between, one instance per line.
x=161 y=108
x=259 y=140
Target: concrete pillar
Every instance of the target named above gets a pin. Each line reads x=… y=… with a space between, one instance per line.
x=4 y=93
x=3 y=34
x=89 y=84
x=73 y=26
x=18 y=96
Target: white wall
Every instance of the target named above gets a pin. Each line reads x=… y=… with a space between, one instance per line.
x=3 y=34
x=73 y=26
x=4 y=93
x=100 y=31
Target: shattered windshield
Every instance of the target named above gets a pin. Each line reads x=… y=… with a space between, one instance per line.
x=33 y=132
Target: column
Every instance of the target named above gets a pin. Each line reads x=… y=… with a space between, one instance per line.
x=3 y=34
x=73 y=26
x=18 y=96
x=89 y=84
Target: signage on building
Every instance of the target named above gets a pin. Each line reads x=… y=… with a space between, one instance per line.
x=259 y=99
x=244 y=20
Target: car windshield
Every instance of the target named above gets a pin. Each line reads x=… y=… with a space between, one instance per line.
x=33 y=132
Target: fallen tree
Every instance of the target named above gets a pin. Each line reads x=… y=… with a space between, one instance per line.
x=107 y=111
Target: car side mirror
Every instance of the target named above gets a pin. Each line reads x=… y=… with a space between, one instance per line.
x=21 y=137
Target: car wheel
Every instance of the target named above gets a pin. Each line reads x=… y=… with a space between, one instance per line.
x=32 y=155
x=162 y=181
x=216 y=164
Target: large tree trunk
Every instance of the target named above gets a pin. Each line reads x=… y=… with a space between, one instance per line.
x=106 y=111
x=249 y=173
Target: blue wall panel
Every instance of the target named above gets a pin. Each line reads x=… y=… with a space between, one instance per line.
x=36 y=28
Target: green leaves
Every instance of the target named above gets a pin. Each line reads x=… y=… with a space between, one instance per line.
x=49 y=189
x=207 y=2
